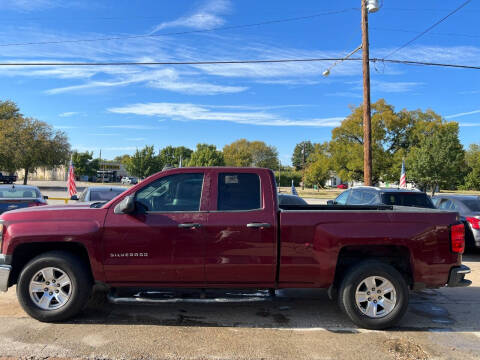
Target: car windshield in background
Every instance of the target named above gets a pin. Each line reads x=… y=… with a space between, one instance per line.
x=19 y=194
x=472 y=205
x=407 y=199
x=104 y=195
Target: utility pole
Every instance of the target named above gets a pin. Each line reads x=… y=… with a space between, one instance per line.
x=367 y=126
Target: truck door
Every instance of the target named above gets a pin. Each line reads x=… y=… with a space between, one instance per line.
x=241 y=230
x=163 y=242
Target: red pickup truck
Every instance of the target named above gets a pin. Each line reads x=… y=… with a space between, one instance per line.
x=223 y=228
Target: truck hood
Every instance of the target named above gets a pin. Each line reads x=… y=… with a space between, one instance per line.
x=52 y=212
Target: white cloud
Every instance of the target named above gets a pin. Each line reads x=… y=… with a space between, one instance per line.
x=206 y=17
x=394 y=86
x=166 y=79
x=462 y=114
x=468 y=124
x=192 y=112
x=68 y=114
x=135 y=139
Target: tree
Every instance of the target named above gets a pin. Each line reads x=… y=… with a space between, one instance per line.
x=10 y=117
x=170 y=156
x=85 y=164
x=123 y=159
x=251 y=153
x=206 y=155
x=472 y=158
x=438 y=160
x=297 y=157
x=143 y=163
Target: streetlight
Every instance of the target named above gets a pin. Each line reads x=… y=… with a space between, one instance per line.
x=368 y=6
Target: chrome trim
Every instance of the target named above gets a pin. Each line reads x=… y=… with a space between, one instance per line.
x=4 y=276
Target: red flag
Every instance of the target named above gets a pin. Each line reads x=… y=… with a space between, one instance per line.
x=403 y=176
x=72 y=188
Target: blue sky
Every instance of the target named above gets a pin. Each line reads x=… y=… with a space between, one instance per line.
x=119 y=108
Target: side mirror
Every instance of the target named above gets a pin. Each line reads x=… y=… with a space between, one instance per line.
x=45 y=197
x=331 y=202
x=74 y=197
x=126 y=206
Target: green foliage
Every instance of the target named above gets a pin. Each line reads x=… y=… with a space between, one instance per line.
x=318 y=168
x=206 y=155
x=123 y=159
x=297 y=157
x=27 y=143
x=143 y=163
x=286 y=175
x=472 y=158
x=251 y=153
x=170 y=156
x=438 y=159
x=85 y=164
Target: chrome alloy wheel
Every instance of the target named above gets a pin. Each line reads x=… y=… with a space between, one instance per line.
x=376 y=297
x=50 y=288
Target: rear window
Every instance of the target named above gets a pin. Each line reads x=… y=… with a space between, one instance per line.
x=407 y=199
x=472 y=205
x=13 y=193
x=104 y=195
x=238 y=191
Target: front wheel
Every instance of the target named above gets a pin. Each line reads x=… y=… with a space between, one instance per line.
x=374 y=295
x=54 y=286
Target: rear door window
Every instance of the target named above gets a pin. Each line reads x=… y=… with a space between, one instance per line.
x=342 y=198
x=407 y=199
x=238 y=191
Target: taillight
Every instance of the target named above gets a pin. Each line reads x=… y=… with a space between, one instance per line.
x=457 y=236
x=474 y=222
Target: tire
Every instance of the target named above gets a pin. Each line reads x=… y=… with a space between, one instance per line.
x=60 y=300
x=385 y=307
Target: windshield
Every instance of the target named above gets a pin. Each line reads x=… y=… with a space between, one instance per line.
x=472 y=205
x=15 y=193
x=407 y=199
x=104 y=195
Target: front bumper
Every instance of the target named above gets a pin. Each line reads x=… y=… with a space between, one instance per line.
x=5 y=271
x=457 y=276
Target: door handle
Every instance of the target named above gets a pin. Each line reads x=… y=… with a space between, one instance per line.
x=258 y=225
x=189 y=226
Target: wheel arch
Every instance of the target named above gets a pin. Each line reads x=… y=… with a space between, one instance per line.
x=24 y=253
x=398 y=257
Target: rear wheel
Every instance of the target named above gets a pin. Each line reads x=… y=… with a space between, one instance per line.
x=374 y=295
x=54 y=286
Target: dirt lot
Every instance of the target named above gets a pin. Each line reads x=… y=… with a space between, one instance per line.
x=296 y=324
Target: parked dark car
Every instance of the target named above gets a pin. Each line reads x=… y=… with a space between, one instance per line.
x=7 y=179
x=369 y=195
x=287 y=199
x=98 y=193
x=468 y=206
x=18 y=196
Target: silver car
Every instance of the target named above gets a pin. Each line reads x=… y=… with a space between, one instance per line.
x=98 y=193
x=468 y=207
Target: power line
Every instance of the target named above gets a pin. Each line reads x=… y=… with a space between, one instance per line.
x=232 y=62
x=126 y=37
x=417 y=32
x=428 y=29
